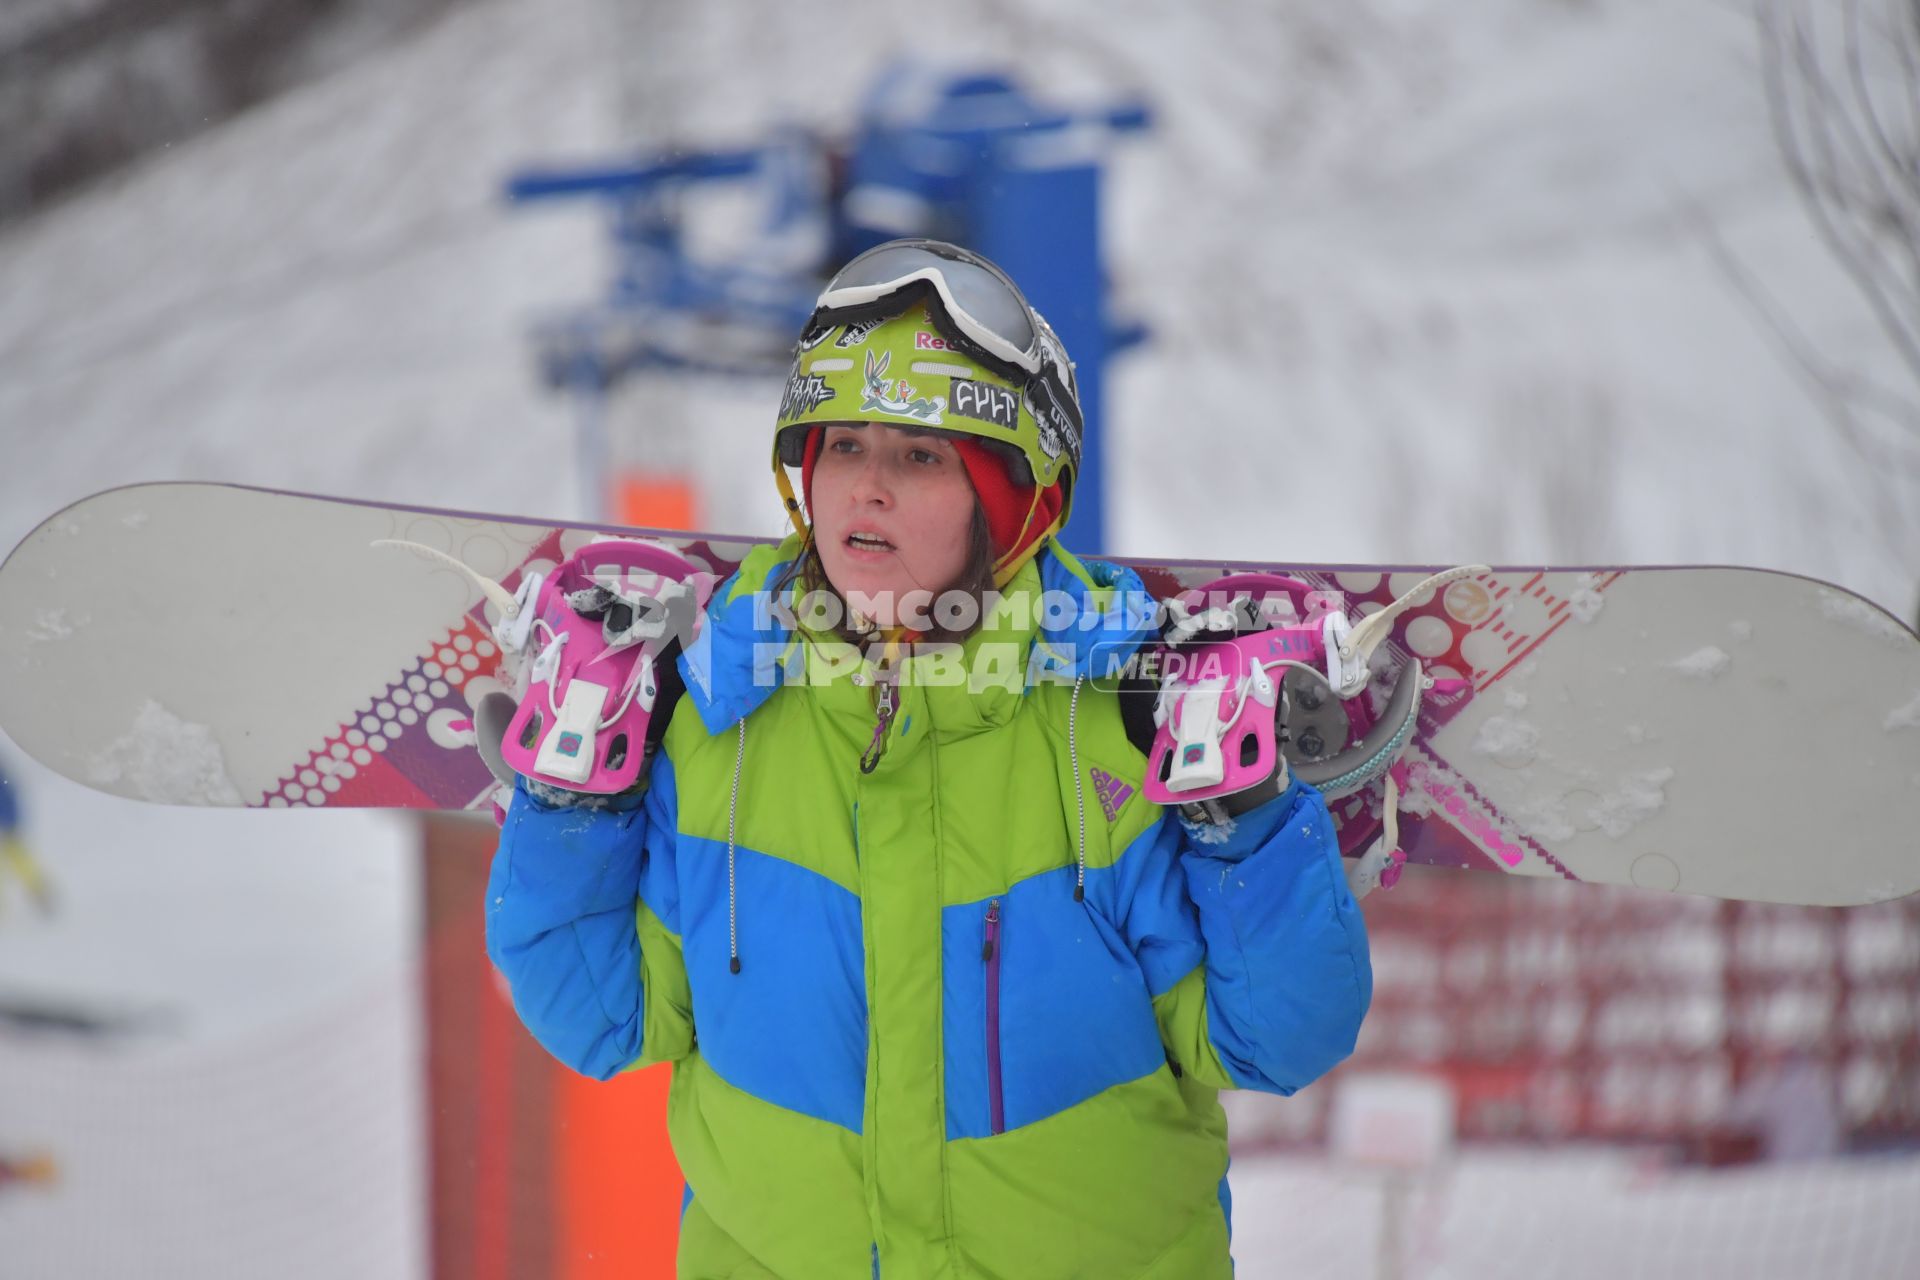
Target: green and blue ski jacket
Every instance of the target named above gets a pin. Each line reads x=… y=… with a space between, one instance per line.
x=935 y=1060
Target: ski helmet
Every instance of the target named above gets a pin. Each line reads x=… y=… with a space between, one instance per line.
x=925 y=333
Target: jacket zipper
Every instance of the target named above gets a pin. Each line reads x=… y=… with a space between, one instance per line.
x=996 y=1111
x=887 y=703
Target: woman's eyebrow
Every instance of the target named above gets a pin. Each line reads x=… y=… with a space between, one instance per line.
x=911 y=430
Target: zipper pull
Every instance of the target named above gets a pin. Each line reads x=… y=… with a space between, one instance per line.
x=889 y=696
x=993 y=929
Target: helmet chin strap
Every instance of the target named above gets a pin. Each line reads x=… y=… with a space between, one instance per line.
x=787 y=496
x=1008 y=565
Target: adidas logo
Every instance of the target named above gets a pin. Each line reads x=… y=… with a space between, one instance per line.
x=1113 y=793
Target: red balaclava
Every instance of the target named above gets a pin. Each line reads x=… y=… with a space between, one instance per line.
x=1005 y=501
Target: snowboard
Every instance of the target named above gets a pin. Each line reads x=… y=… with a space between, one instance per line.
x=1738 y=733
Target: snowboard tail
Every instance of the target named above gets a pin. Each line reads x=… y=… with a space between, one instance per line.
x=1734 y=732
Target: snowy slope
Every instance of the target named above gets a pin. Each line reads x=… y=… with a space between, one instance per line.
x=1453 y=257
x=1460 y=256
x=1469 y=255
x=327 y=294
x=1578 y=1214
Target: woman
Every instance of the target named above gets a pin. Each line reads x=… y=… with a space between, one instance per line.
x=945 y=994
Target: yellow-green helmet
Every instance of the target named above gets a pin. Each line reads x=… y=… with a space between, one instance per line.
x=924 y=333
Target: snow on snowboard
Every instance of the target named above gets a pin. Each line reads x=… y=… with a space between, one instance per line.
x=1738 y=733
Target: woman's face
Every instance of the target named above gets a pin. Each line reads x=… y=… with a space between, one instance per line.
x=892 y=510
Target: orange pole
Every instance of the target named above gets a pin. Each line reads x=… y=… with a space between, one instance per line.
x=655 y=501
x=619 y=1187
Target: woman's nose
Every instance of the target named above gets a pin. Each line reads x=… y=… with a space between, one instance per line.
x=871 y=483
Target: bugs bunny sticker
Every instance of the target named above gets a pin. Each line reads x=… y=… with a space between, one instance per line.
x=898 y=398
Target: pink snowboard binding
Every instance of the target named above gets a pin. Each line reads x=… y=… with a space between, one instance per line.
x=602 y=618
x=1219 y=699
x=1285 y=652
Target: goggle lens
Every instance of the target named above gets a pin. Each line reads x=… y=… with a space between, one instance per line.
x=980 y=291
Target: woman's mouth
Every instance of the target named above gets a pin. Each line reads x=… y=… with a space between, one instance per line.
x=868 y=542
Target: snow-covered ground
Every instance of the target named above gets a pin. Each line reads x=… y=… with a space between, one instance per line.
x=327 y=294
x=1574 y=1215
x=1460 y=259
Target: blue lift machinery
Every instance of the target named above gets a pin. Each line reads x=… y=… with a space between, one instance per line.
x=973 y=159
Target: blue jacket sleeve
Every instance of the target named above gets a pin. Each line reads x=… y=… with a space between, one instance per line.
x=1258 y=912
x=565 y=912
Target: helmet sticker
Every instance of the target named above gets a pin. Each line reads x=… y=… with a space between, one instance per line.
x=814 y=336
x=1049 y=439
x=805 y=393
x=1056 y=428
x=857 y=332
x=984 y=402
x=900 y=398
x=924 y=341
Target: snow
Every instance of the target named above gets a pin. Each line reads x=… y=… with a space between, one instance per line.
x=1904 y=717
x=1584 y=605
x=50 y=625
x=166 y=760
x=1415 y=801
x=1638 y=797
x=180 y=1157
x=1211 y=834
x=1513 y=742
x=1858 y=615
x=1479 y=247
x=1705 y=663
x=1614 y=809
x=1578 y=1215
x=1545 y=817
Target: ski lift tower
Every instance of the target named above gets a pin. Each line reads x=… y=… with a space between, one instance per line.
x=971 y=158
x=977 y=160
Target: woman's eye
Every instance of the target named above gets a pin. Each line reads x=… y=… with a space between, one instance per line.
x=924 y=456
x=845 y=444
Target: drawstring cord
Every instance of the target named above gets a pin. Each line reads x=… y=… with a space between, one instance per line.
x=1079 y=790
x=733 y=813
x=868 y=762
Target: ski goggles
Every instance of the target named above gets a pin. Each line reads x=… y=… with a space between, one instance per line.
x=973 y=302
